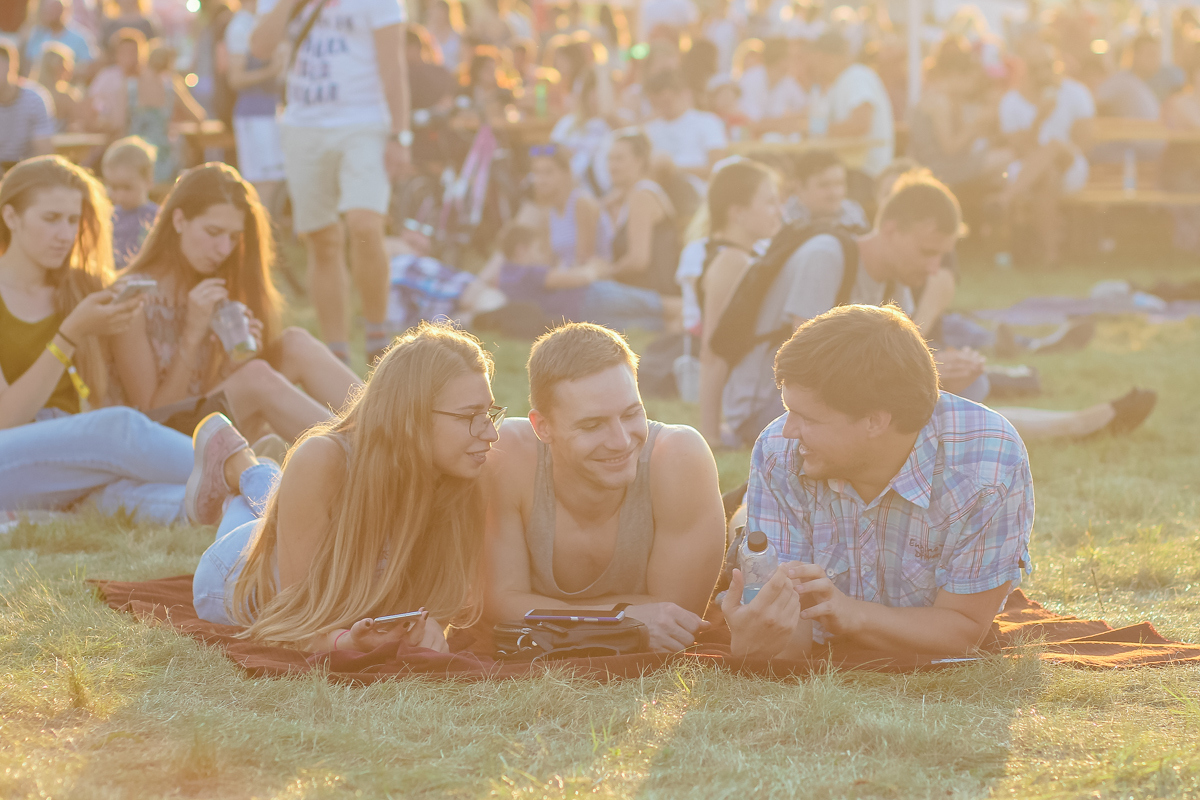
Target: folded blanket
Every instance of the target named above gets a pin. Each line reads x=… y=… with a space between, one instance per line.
x=1089 y=644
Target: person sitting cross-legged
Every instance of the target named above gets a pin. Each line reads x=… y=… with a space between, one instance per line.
x=590 y=505
x=902 y=514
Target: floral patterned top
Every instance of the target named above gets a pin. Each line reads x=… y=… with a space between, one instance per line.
x=165 y=319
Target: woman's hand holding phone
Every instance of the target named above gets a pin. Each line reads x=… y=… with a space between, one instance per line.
x=98 y=315
x=367 y=635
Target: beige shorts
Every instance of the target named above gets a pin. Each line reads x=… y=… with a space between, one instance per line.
x=333 y=170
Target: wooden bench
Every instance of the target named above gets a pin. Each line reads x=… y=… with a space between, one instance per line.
x=76 y=147
x=199 y=136
x=1107 y=182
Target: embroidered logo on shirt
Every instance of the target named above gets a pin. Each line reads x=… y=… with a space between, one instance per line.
x=925 y=552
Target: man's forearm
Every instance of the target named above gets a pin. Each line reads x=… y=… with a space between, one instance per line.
x=393 y=74
x=930 y=630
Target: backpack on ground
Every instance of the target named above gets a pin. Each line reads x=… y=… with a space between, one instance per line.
x=736 y=332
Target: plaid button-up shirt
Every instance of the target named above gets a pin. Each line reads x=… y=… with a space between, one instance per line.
x=957 y=516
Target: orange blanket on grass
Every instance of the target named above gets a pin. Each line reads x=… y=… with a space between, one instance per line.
x=1088 y=644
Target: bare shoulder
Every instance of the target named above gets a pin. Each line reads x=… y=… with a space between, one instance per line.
x=684 y=485
x=727 y=264
x=680 y=450
x=513 y=457
x=319 y=461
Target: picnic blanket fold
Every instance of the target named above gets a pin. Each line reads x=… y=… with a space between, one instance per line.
x=1060 y=639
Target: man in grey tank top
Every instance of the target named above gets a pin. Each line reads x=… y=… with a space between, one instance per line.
x=590 y=505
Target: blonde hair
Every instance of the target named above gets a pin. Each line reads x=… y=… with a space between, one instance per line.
x=402 y=536
x=134 y=152
x=88 y=267
x=572 y=351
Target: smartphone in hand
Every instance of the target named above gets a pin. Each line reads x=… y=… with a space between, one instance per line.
x=134 y=287
x=407 y=619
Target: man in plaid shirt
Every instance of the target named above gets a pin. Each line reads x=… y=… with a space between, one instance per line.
x=901 y=514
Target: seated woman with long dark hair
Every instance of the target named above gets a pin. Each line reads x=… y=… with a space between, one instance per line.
x=56 y=317
x=646 y=242
x=210 y=244
x=377 y=512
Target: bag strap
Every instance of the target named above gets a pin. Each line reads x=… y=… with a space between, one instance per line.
x=849 y=270
x=304 y=31
x=845 y=289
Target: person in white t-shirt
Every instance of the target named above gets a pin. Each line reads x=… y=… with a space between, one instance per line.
x=771 y=98
x=346 y=136
x=1046 y=119
x=722 y=29
x=851 y=101
x=692 y=139
x=255 y=127
x=674 y=14
x=819 y=196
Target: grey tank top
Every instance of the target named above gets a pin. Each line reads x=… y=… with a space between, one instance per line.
x=626 y=573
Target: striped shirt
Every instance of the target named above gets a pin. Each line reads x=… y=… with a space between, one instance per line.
x=25 y=119
x=957 y=516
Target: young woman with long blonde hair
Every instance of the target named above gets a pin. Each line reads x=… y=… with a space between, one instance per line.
x=56 y=317
x=211 y=243
x=376 y=512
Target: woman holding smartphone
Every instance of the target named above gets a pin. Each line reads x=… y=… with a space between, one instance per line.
x=211 y=244
x=56 y=318
x=376 y=512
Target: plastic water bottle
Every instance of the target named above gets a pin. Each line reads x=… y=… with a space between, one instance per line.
x=1129 y=178
x=758 y=561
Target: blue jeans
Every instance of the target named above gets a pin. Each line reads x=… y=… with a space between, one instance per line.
x=116 y=455
x=620 y=306
x=222 y=562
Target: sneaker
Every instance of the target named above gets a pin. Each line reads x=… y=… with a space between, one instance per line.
x=1006 y=345
x=214 y=441
x=1131 y=410
x=272 y=447
x=1070 y=336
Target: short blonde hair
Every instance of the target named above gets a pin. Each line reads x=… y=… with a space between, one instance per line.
x=570 y=352
x=134 y=152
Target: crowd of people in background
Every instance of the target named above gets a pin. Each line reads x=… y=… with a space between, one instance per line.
x=394 y=142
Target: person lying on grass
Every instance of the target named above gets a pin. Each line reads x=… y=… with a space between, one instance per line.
x=901 y=514
x=378 y=511
x=211 y=243
x=591 y=505
x=56 y=320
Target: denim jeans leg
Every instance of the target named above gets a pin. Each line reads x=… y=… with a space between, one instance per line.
x=218 y=571
x=54 y=463
x=146 y=502
x=959 y=331
x=256 y=484
x=621 y=307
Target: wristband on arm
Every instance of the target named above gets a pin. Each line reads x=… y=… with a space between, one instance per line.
x=81 y=388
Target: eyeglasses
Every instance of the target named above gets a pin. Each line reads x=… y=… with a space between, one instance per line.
x=480 y=419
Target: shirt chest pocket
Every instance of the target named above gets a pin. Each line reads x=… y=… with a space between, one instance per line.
x=829 y=551
x=921 y=556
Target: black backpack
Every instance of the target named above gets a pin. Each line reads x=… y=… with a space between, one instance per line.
x=736 y=332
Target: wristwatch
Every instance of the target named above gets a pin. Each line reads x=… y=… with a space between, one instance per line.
x=405 y=138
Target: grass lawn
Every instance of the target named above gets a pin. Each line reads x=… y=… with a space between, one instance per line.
x=95 y=705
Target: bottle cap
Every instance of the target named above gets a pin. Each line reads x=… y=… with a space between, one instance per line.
x=756 y=541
